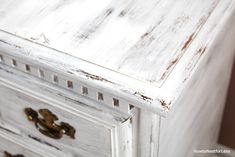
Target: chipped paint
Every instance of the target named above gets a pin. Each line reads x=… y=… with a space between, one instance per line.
x=94 y=77
x=146 y=98
x=194 y=61
x=140 y=54
x=172 y=63
x=201 y=50
x=11 y=44
x=146 y=34
x=41 y=38
x=166 y=106
x=122 y=13
x=190 y=39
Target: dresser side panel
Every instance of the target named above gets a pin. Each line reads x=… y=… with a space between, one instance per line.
x=194 y=123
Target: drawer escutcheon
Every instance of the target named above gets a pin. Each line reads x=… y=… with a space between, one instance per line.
x=47 y=126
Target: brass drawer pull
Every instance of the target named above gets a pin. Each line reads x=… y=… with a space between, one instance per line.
x=10 y=155
x=46 y=123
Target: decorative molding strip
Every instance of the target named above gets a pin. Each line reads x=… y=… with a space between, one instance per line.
x=67 y=83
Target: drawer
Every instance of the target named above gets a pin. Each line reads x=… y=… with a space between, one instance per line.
x=59 y=127
x=9 y=147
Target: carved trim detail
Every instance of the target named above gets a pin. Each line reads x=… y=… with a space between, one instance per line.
x=72 y=85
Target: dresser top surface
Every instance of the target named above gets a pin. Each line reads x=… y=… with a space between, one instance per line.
x=140 y=40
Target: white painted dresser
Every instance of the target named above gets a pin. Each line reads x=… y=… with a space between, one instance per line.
x=127 y=78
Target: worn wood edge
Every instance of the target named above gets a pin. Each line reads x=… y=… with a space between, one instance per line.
x=160 y=102
x=180 y=77
x=142 y=98
x=145 y=133
x=225 y=49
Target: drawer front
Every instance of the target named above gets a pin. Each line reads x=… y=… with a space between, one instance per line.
x=87 y=138
x=9 y=148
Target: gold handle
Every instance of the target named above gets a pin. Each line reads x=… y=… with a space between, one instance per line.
x=10 y=155
x=46 y=124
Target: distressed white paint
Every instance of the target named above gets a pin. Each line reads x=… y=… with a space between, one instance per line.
x=16 y=143
x=62 y=81
x=81 y=29
x=91 y=139
x=156 y=55
x=146 y=131
x=114 y=49
x=14 y=149
x=195 y=121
